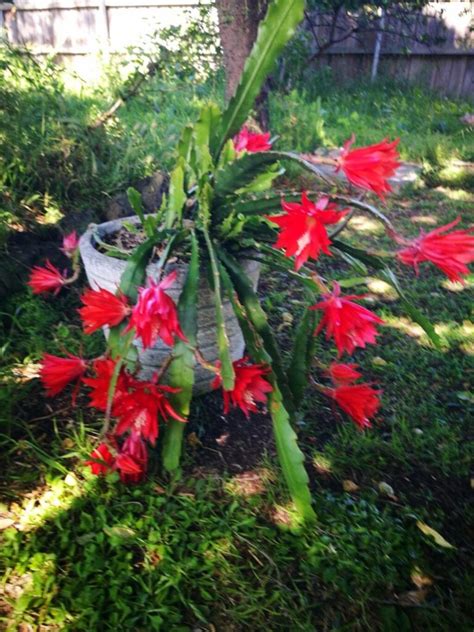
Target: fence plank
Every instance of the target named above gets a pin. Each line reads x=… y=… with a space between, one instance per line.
x=44 y=5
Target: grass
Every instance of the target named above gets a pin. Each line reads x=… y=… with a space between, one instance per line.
x=85 y=554
x=326 y=115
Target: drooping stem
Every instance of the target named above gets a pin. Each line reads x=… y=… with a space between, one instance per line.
x=113 y=382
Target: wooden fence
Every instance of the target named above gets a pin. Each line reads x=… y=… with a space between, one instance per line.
x=76 y=30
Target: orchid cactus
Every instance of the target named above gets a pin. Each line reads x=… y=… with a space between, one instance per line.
x=221 y=204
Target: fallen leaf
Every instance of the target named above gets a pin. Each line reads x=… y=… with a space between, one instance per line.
x=349 y=486
x=437 y=537
x=378 y=361
x=419 y=579
x=5 y=523
x=387 y=490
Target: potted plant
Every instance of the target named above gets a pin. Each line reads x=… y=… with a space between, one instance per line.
x=200 y=254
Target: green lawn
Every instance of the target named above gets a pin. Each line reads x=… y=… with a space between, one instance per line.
x=213 y=552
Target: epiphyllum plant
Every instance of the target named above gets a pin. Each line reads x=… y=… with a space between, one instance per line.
x=220 y=207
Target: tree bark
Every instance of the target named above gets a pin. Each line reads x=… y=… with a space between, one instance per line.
x=238 y=27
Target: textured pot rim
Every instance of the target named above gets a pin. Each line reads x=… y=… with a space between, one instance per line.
x=89 y=252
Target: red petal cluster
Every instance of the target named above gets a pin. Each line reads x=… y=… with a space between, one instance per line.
x=140 y=409
x=350 y=324
x=46 y=279
x=130 y=460
x=56 y=373
x=133 y=459
x=370 y=167
x=250 y=387
x=104 y=368
x=102 y=460
x=102 y=308
x=70 y=244
x=304 y=228
x=155 y=314
x=359 y=401
x=450 y=252
x=246 y=140
x=343 y=373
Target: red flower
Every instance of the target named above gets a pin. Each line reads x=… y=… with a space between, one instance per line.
x=47 y=279
x=304 y=228
x=102 y=308
x=155 y=315
x=248 y=141
x=359 y=401
x=449 y=252
x=104 y=368
x=350 y=325
x=250 y=387
x=56 y=373
x=132 y=460
x=141 y=409
x=102 y=461
x=343 y=373
x=370 y=167
x=70 y=244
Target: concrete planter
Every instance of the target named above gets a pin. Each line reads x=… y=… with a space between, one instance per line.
x=105 y=272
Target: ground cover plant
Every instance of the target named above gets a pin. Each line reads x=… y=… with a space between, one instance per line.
x=366 y=565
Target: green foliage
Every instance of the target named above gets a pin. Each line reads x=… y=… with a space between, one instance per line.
x=181 y=371
x=283 y=16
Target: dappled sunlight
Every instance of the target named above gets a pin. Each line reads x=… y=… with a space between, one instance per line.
x=362 y=224
x=250 y=483
x=457 y=286
x=450 y=333
x=425 y=220
x=407 y=326
x=45 y=503
x=382 y=289
x=286 y=516
x=461 y=195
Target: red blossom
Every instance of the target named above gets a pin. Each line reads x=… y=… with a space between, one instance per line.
x=104 y=368
x=56 y=373
x=141 y=409
x=249 y=389
x=132 y=460
x=350 y=324
x=102 y=308
x=359 y=401
x=304 y=228
x=246 y=140
x=155 y=314
x=70 y=244
x=343 y=373
x=450 y=252
x=102 y=461
x=46 y=279
x=370 y=167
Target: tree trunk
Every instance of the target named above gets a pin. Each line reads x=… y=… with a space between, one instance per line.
x=238 y=26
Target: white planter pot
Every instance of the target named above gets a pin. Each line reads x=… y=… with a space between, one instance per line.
x=105 y=272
